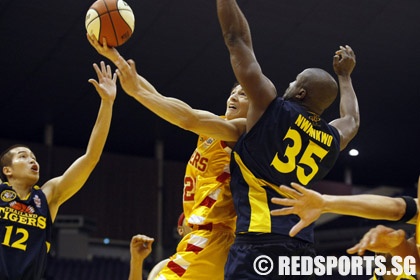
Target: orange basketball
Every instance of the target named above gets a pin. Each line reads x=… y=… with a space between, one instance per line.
x=112 y=19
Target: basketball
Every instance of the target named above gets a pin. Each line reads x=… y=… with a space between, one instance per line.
x=112 y=19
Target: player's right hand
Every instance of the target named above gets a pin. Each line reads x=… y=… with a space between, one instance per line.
x=344 y=61
x=108 y=52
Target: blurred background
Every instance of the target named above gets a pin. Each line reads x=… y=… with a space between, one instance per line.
x=48 y=104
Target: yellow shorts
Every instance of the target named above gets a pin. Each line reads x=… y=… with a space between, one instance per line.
x=201 y=254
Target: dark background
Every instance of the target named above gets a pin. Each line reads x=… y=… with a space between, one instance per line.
x=46 y=61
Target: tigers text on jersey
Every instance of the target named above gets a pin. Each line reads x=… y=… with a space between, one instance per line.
x=208 y=209
x=25 y=234
x=288 y=144
x=207 y=196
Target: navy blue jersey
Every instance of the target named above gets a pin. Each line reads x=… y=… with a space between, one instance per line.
x=288 y=144
x=25 y=234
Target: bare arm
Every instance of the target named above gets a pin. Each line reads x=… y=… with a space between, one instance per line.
x=349 y=121
x=170 y=109
x=140 y=248
x=309 y=205
x=174 y=110
x=237 y=37
x=59 y=189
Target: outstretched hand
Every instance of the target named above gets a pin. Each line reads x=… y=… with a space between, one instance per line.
x=106 y=85
x=307 y=204
x=380 y=239
x=344 y=61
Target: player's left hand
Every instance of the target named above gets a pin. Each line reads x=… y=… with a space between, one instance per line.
x=305 y=203
x=106 y=85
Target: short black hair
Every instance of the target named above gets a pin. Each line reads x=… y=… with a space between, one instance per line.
x=6 y=159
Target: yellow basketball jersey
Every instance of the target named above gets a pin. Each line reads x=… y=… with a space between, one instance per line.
x=207 y=197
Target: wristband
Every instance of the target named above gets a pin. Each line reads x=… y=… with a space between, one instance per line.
x=410 y=209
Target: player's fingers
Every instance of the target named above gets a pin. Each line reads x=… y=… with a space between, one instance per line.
x=132 y=65
x=370 y=239
x=109 y=71
x=282 y=211
x=301 y=189
x=283 y=201
x=353 y=249
x=95 y=84
x=103 y=68
x=361 y=251
x=149 y=243
x=364 y=245
x=142 y=238
x=359 y=248
x=336 y=59
x=104 y=43
x=297 y=228
x=97 y=70
x=123 y=66
x=349 y=49
x=119 y=75
x=288 y=191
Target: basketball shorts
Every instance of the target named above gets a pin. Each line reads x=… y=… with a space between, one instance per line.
x=249 y=257
x=201 y=254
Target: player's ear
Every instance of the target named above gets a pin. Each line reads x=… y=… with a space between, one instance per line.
x=180 y=230
x=7 y=171
x=301 y=94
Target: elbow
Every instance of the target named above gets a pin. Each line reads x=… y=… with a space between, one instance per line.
x=356 y=121
x=231 y=40
x=356 y=126
x=349 y=133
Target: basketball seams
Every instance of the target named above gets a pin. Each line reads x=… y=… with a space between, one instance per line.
x=112 y=19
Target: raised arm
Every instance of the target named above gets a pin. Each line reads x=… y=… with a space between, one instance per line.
x=349 y=121
x=170 y=109
x=309 y=205
x=59 y=189
x=140 y=248
x=237 y=36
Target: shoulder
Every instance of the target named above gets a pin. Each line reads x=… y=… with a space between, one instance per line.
x=157 y=268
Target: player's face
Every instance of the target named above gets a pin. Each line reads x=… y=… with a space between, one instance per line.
x=237 y=104
x=24 y=165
